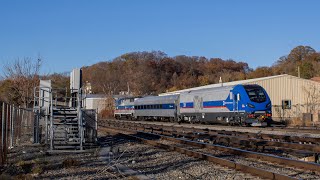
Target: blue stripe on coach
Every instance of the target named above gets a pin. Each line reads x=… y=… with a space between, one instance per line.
x=208 y=104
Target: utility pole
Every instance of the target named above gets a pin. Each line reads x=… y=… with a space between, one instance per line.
x=220 y=81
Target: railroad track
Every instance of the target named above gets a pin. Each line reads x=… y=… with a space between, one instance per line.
x=283 y=145
x=295 y=129
x=260 y=164
x=315 y=130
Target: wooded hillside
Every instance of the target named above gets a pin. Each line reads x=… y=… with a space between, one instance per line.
x=146 y=73
x=155 y=72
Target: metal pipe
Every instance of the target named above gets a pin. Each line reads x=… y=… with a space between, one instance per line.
x=46 y=122
x=51 y=120
x=96 y=118
x=80 y=123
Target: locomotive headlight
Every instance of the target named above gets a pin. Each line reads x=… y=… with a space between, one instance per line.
x=250 y=105
x=268 y=105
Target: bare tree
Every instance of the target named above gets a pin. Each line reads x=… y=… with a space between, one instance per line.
x=24 y=75
x=313 y=99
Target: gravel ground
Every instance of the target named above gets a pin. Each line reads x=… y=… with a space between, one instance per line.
x=161 y=164
x=280 y=169
x=32 y=162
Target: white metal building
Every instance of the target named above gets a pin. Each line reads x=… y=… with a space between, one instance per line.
x=302 y=95
x=95 y=101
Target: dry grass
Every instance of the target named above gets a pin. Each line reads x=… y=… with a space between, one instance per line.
x=67 y=163
x=297 y=121
x=5 y=177
x=24 y=177
x=132 y=178
x=106 y=113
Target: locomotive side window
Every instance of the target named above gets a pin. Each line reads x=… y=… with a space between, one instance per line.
x=255 y=93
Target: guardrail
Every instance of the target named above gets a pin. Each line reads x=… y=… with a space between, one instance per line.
x=16 y=127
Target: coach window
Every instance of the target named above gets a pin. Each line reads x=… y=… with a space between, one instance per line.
x=160 y=106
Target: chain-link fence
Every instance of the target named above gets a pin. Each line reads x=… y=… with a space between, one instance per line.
x=16 y=128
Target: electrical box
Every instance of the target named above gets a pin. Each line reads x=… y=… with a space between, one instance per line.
x=75 y=80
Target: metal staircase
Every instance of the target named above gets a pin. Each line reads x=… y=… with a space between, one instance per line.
x=68 y=127
x=66 y=131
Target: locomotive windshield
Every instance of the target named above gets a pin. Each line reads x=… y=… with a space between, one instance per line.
x=255 y=93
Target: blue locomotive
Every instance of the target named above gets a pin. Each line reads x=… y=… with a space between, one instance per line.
x=239 y=104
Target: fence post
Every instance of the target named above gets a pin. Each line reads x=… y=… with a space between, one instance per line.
x=96 y=123
x=6 y=128
x=11 y=125
x=2 y=133
x=36 y=128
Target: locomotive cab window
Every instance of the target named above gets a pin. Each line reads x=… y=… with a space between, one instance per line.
x=255 y=93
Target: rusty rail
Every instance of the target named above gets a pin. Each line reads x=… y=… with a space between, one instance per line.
x=285 y=143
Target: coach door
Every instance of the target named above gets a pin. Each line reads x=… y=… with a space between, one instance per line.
x=236 y=100
x=197 y=103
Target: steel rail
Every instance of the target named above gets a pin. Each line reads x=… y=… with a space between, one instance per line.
x=231 y=138
x=260 y=136
x=297 y=139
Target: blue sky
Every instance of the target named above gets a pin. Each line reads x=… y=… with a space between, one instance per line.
x=74 y=33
